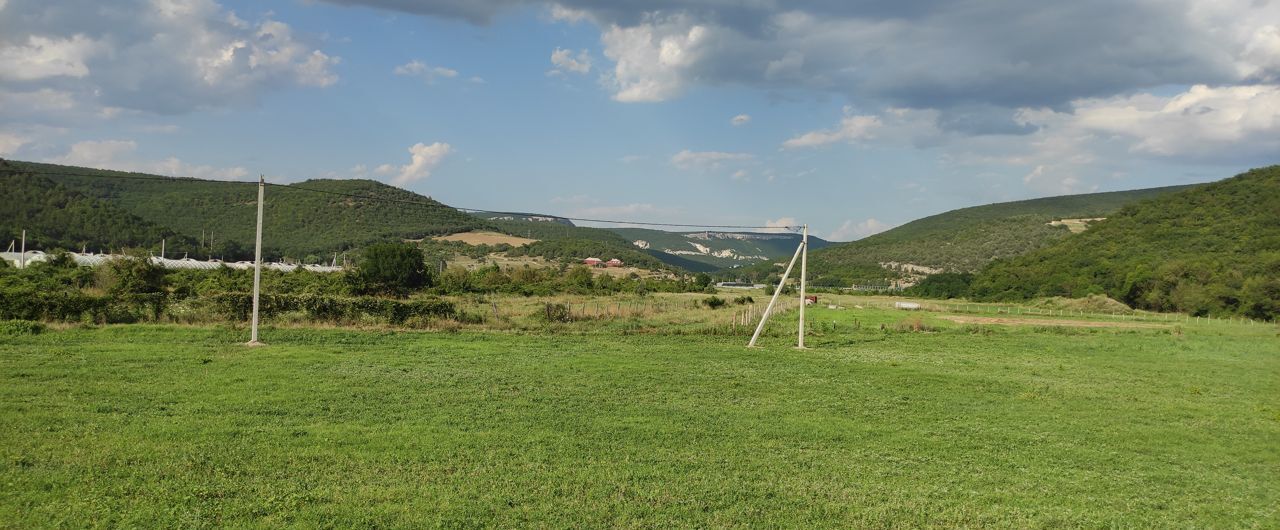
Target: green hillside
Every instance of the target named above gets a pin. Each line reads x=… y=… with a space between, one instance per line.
x=1212 y=249
x=967 y=239
x=57 y=217
x=67 y=207
x=717 y=250
x=298 y=223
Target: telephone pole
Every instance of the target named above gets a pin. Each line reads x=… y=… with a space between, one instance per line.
x=257 y=267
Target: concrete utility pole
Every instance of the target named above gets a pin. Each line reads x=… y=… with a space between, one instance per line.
x=257 y=267
x=804 y=273
x=22 y=258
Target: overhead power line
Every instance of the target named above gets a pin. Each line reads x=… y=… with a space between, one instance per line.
x=393 y=200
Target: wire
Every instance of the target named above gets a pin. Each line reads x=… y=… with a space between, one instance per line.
x=135 y=176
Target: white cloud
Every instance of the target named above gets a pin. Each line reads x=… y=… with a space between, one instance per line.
x=706 y=160
x=11 y=142
x=740 y=120
x=167 y=56
x=781 y=224
x=631 y=159
x=853 y=230
x=852 y=129
x=118 y=155
x=740 y=174
x=421 y=70
x=652 y=59
x=565 y=14
x=44 y=57
x=1201 y=122
x=423 y=159
x=565 y=61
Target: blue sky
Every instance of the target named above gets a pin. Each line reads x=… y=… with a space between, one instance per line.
x=852 y=117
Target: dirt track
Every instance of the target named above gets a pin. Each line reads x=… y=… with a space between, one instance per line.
x=1008 y=321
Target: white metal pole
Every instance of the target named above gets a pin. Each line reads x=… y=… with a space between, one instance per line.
x=257 y=266
x=804 y=273
x=764 y=317
x=22 y=258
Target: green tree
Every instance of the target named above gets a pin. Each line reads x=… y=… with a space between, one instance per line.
x=391 y=268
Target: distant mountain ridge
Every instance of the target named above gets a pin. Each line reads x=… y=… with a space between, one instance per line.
x=719 y=249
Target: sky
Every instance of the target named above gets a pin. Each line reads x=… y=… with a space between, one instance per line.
x=851 y=116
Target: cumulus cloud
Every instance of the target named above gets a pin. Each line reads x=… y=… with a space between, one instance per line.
x=423 y=159
x=167 y=56
x=705 y=160
x=11 y=142
x=852 y=230
x=43 y=57
x=653 y=61
x=894 y=125
x=120 y=155
x=851 y=129
x=421 y=70
x=781 y=224
x=564 y=61
x=740 y=120
x=1203 y=122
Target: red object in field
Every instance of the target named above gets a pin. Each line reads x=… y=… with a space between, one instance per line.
x=811 y=299
x=615 y=262
x=591 y=261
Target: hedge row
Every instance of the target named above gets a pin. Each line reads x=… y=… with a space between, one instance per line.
x=66 y=306
x=75 y=306
x=238 y=306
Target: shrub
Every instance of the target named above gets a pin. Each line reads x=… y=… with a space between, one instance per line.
x=390 y=268
x=713 y=302
x=13 y=328
x=744 y=300
x=552 y=312
x=239 y=306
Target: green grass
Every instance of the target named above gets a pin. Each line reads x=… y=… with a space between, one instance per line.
x=966 y=426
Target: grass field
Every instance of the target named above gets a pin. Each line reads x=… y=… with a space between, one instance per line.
x=886 y=421
x=487 y=238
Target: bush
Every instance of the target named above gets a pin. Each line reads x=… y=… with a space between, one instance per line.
x=239 y=306
x=744 y=300
x=390 y=268
x=713 y=302
x=943 y=286
x=13 y=328
x=132 y=275
x=556 y=313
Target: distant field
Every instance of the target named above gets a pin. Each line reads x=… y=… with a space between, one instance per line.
x=487 y=238
x=1076 y=226
x=890 y=419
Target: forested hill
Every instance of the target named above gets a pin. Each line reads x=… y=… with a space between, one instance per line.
x=74 y=207
x=967 y=239
x=57 y=217
x=138 y=211
x=1212 y=249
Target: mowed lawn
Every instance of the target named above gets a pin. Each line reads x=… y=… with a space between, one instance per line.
x=1015 y=427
